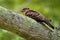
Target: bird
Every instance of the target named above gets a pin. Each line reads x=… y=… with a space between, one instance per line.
x=36 y=16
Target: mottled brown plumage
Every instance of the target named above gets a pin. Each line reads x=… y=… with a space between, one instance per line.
x=36 y=16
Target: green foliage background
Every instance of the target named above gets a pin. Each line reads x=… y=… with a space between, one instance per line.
x=49 y=8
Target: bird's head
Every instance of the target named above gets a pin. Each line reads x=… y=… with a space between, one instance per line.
x=24 y=10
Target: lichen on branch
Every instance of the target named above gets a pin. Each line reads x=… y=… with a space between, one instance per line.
x=22 y=25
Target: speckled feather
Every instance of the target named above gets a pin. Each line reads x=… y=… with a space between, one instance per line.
x=36 y=16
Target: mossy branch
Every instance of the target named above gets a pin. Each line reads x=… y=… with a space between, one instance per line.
x=22 y=25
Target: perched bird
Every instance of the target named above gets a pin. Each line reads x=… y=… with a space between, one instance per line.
x=36 y=16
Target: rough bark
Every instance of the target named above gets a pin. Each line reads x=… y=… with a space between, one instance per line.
x=23 y=26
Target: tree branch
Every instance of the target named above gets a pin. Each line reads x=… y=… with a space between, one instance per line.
x=22 y=25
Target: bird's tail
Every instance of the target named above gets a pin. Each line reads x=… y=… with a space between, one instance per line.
x=47 y=20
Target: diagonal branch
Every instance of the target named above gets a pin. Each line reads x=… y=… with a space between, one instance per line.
x=22 y=25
